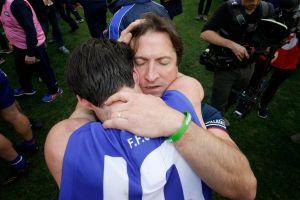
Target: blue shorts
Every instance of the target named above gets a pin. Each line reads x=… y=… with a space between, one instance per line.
x=7 y=97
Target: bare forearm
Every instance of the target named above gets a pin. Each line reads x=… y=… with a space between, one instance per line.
x=214 y=38
x=222 y=166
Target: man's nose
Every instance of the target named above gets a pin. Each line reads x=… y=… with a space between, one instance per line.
x=151 y=74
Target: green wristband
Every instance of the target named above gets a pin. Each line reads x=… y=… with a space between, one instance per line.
x=176 y=136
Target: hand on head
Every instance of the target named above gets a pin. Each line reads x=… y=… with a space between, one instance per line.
x=126 y=34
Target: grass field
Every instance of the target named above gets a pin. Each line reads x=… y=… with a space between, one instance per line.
x=275 y=160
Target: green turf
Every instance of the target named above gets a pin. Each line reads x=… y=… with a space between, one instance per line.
x=274 y=159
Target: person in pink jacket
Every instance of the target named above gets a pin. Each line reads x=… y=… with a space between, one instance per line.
x=25 y=34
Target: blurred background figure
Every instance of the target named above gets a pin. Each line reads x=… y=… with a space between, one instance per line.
x=203 y=11
x=47 y=13
x=230 y=39
x=283 y=66
x=287 y=57
x=95 y=16
x=174 y=7
x=60 y=6
x=70 y=8
x=26 y=35
x=11 y=112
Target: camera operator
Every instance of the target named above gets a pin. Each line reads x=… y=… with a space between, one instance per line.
x=231 y=28
x=287 y=57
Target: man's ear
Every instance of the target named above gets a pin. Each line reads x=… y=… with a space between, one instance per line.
x=84 y=103
x=136 y=77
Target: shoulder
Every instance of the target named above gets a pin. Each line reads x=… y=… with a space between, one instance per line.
x=59 y=134
x=182 y=81
x=266 y=9
x=67 y=125
x=189 y=86
x=221 y=17
x=224 y=7
x=56 y=143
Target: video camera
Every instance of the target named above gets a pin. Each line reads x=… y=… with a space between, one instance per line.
x=268 y=34
x=214 y=57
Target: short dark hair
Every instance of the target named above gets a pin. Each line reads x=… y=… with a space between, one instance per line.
x=99 y=68
x=156 y=23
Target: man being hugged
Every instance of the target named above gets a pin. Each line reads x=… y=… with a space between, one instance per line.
x=101 y=159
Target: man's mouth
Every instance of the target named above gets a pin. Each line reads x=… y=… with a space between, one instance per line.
x=153 y=88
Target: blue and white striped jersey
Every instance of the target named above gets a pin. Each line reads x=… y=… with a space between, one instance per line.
x=112 y=164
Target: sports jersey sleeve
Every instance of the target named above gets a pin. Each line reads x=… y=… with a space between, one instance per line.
x=178 y=101
x=212 y=117
x=119 y=22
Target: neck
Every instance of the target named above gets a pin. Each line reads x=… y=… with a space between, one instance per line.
x=104 y=112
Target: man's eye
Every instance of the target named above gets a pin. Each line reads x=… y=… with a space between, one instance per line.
x=139 y=62
x=164 y=62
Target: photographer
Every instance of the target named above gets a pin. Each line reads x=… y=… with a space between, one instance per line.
x=230 y=28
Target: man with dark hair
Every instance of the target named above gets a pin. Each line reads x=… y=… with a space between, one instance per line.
x=230 y=29
x=146 y=168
